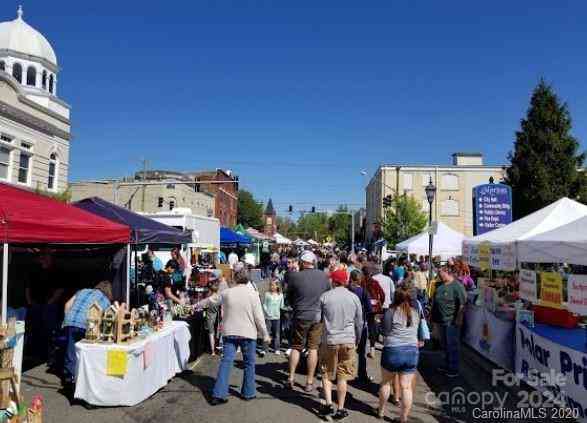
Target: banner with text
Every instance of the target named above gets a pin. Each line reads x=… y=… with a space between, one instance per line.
x=551 y=289
x=577 y=291
x=492 y=207
x=551 y=367
x=486 y=255
x=528 y=290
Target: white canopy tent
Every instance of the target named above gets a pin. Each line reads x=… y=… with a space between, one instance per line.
x=503 y=242
x=446 y=243
x=312 y=242
x=281 y=240
x=565 y=244
x=300 y=242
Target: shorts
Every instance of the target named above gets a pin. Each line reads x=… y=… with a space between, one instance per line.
x=306 y=333
x=211 y=322
x=338 y=361
x=403 y=359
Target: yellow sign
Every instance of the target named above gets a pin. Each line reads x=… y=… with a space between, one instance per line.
x=484 y=255
x=551 y=289
x=116 y=363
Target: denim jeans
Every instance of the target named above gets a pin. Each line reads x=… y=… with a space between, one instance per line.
x=73 y=335
x=274 y=330
x=449 y=336
x=248 y=346
x=362 y=351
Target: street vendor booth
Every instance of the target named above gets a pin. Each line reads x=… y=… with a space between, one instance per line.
x=447 y=243
x=553 y=283
x=31 y=222
x=127 y=372
x=490 y=319
x=282 y=240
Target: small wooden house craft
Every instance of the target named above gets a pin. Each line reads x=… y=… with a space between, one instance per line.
x=124 y=324
x=94 y=323
x=108 y=326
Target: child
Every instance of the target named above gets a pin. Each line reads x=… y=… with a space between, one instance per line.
x=212 y=312
x=272 y=305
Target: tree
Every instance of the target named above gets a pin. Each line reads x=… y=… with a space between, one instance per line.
x=403 y=219
x=64 y=196
x=286 y=227
x=545 y=161
x=313 y=225
x=250 y=212
x=339 y=225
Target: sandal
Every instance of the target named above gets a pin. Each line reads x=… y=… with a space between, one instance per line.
x=379 y=413
x=290 y=384
x=309 y=388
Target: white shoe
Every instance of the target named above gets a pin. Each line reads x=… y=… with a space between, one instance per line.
x=288 y=352
x=277 y=352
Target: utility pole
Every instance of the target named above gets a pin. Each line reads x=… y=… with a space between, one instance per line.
x=145 y=161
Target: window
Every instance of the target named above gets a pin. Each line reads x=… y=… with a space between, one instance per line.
x=408 y=181
x=426 y=178
x=171 y=204
x=449 y=207
x=51 y=83
x=2 y=65
x=52 y=181
x=450 y=182
x=23 y=168
x=6 y=138
x=44 y=80
x=31 y=76
x=17 y=72
x=160 y=202
x=4 y=162
x=170 y=186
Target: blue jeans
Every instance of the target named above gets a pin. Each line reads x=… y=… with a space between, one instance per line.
x=449 y=336
x=73 y=335
x=248 y=346
x=274 y=329
x=362 y=352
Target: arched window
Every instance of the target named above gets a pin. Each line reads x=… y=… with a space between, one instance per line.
x=51 y=83
x=31 y=76
x=44 y=80
x=52 y=180
x=450 y=182
x=449 y=207
x=17 y=72
x=2 y=65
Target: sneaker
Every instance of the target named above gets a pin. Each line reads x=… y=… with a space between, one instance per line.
x=262 y=353
x=218 y=401
x=277 y=352
x=451 y=374
x=340 y=414
x=288 y=352
x=327 y=410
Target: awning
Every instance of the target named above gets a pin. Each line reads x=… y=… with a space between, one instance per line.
x=229 y=238
x=144 y=229
x=29 y=218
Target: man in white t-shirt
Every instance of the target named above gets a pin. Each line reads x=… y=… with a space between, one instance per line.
x=386 y=284
x=232 y=259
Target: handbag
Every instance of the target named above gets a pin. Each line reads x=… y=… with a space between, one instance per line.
x=423 y=329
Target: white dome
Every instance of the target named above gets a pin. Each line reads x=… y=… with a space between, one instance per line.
x=19 y=36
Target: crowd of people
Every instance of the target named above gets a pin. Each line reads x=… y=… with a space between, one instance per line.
x=332 y=309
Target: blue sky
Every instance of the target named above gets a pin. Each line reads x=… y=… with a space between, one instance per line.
x=299 y=97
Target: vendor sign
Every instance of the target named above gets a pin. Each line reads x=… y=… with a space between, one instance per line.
x=577 y=290
x=551 y=291
x=528 y=289
x=557 y=370
x=484 y=255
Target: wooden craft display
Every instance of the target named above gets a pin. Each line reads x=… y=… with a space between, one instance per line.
x=108 y=326
x=124 y=324
x=8 y=378
x=94 y=324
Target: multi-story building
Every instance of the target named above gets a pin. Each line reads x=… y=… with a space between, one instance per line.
x=34 y=122
x=453 y=203
x=167 y=195
x=223 y=184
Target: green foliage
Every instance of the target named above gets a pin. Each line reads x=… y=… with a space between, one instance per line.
x=250 y=212
x=545 y=159
x=313 y=225
x=286 y=227
x=403 y=220
x=339 y=226
x=64 y=197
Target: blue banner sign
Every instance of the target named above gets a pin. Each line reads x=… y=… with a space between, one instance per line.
x=492 y=207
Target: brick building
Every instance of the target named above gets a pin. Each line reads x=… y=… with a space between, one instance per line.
x=226 y=194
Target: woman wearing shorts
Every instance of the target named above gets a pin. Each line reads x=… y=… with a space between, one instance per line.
x=400 y=351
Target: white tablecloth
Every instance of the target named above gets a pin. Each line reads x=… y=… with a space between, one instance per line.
x=170 y=351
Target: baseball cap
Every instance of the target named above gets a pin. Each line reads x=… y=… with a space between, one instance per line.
x=339 y=276
x=308 y=257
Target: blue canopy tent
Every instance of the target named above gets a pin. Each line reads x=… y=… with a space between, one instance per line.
x=143 y=230
x=231 y=239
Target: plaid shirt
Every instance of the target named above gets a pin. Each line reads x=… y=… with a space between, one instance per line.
x=77 y=315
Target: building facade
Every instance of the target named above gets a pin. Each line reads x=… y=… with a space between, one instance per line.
x=35 y=129
x=223 y=184
x=270 y=220
x=453 y=203
x=149 y=198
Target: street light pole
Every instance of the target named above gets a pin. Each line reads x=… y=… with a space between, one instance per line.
x=430 y=192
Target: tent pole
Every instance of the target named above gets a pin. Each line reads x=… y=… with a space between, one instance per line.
x=4 y=283
x=128 y=275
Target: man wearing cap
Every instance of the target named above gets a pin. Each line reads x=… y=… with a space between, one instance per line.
x=303 y=291
x=342 y=315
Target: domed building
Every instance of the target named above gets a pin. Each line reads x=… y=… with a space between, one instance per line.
x=34 y=123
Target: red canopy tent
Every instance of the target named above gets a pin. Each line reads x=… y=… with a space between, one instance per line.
x=29 y=218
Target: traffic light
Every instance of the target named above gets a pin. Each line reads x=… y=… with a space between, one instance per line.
x=313 y=209
x=387 y=201
x=290 y=209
